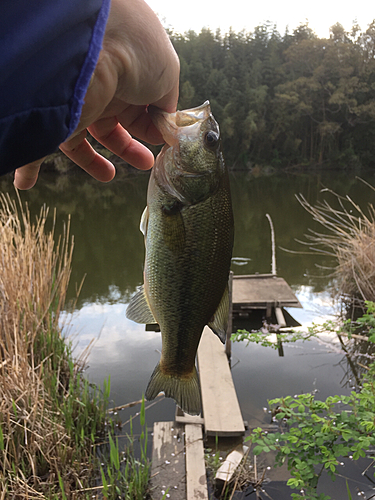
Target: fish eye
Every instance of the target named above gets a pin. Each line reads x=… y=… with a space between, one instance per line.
x=211 y=139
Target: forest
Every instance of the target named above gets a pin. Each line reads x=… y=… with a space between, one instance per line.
x=285 y=101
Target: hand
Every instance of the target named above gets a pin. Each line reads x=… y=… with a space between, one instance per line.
x=137 y=66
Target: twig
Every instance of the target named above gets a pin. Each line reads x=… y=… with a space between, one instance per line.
x=355 y=336
x=129 y=405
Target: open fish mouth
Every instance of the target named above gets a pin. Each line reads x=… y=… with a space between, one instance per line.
x=169 y=124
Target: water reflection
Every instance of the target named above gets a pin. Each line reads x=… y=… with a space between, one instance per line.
x=109 y=246
x=109 y=253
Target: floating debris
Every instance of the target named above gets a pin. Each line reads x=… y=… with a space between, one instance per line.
x=240 y=261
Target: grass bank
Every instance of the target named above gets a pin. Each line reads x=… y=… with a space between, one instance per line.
x=51 y=418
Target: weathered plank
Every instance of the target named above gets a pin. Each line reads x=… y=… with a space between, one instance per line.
x=221 y=410
x=196 y=482
x=230 y=464
x=189 y=419
x=168 y=462
x=262 y=291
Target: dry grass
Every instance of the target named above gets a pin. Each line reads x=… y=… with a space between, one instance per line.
x=36 y=371
x=350 y=238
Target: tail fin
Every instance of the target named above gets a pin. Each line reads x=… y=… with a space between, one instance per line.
x=185 y=391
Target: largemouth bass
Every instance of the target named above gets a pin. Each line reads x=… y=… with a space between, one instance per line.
x=188 y=230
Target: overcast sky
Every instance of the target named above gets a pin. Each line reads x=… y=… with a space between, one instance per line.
x=245 y=14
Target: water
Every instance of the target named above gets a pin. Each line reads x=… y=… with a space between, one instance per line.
x=109 y=253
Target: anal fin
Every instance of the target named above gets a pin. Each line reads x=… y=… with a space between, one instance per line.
x=138 y=309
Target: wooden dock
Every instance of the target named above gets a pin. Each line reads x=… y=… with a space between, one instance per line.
x=178 y=465
x=263 y=296
x=178 y=453
x=259 y=291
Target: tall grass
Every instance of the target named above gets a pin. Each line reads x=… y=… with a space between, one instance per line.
x=350 y=238
x=52 y=421
x=49 y=416
x=125 y=475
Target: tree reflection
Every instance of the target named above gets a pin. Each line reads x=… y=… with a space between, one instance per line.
x=109 y=248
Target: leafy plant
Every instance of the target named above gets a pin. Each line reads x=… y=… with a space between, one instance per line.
x=367 y=321
x=319 y=433
x=314 y=435
x=124 y=476
x=262 y=339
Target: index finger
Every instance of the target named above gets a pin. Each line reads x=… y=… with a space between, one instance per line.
x=168 y=103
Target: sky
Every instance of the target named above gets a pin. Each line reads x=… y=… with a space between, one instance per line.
x=246 y=14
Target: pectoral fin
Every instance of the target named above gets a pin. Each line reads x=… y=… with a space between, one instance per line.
x=219 y=323
x=144 y=222
x=138 y=309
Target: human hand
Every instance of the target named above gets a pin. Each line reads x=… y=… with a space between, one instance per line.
x=137 y=66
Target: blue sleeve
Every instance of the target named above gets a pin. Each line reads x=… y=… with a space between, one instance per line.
x=49 y=49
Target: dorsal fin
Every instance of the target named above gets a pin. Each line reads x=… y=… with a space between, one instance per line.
x=219 y=322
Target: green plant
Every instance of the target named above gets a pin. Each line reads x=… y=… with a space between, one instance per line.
x=212 y=458
x=367 y=321
x=363 y=328
x=314 y=435
x=52 y=454
x=262 y=339
x=124 y=476
x=319 y=434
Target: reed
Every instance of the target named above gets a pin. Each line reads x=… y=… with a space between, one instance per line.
x=349 y=237
x=125 y=475
x=53 y=422
x=49 y=416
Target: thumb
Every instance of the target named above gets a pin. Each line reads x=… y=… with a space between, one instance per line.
x=25 y=177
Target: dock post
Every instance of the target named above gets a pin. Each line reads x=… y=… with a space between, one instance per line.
x=228 y=343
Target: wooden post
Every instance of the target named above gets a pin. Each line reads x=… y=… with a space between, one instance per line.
x=228 y=343
x=273 y=263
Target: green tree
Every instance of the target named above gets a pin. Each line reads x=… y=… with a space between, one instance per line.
x=285 y=100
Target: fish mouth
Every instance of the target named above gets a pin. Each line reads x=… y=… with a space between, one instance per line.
x=169 y=124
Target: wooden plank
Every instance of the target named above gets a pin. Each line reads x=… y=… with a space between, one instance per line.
x=221 y=410
x=230 y=464
x=184 y=418
x=260 y=290
x=196 y=483
x=168 y=462
x=189 y=419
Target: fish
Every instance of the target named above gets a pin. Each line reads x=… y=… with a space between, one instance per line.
x=188 y=231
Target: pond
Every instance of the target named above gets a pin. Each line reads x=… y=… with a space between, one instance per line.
x=109 y=255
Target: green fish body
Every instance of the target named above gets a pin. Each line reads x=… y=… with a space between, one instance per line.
x=188 y=229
